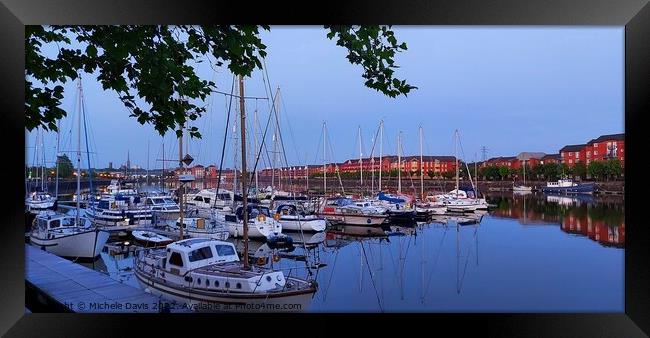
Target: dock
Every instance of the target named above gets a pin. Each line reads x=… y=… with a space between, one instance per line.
x=54 y=284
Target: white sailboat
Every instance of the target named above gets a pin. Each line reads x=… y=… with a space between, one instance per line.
x=523 y=187
x=69 y=235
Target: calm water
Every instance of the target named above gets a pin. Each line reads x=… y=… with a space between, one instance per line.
x=531 y=253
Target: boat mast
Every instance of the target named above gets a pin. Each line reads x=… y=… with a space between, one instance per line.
x=181 y=194
x=381 y=150
x=148 y=162
x=360 y=162
x=399 y=162
x=163 y=165
x=421 y=168
x=524 y=172
x=456 y=155
x=56 y=186
x=43 y=166
x=78 y=152
x=324 y=159
x=243 y=170
x=257 y=183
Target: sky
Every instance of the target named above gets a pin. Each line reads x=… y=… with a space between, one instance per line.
x=509 y=89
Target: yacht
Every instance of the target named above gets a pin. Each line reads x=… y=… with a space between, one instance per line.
x=567 y=186
x=260 y=222
x=345 y=211
x=292 y=218
x=67 y=236
x=207 y=275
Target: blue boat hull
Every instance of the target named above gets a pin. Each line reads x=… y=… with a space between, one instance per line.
x=581 y=188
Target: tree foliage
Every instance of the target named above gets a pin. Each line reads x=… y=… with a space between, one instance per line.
x=65 y=166
x=151 y=68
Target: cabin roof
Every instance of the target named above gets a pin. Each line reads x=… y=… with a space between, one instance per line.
x=190 y=244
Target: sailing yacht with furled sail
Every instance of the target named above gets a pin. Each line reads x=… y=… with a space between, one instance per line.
x=207 y=274
x=69 y=235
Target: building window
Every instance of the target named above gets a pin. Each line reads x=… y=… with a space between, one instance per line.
x=577 y=154
x=595 y=145
x=570 y=161
x=595 y=152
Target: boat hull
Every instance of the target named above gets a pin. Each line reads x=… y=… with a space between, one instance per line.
x=204 y=301
x=582 y=188
x=304 y=225
x=87 y=244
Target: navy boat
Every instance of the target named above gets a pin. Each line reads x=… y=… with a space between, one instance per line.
x=567 y=186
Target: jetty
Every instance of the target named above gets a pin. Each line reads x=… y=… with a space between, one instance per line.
x=55 y=284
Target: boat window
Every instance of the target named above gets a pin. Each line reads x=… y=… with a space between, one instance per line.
x=198 y=198
x=149 y=201
x=225 y=250
x=175 y=259
x=42 y=224
x=206 y=199
x=200 y=254
x=169 y=200
x=55 y=223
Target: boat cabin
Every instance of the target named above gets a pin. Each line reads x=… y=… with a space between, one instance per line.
x=193 y=253
x=254 y=211
x=561 y=183
x=52 y=221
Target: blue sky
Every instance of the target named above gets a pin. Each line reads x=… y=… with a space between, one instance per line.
x=510 y=89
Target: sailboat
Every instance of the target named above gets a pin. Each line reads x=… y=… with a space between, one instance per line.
x=207 y=274
x=39 y=199
x=524 y=187
x=69 y=235
x=457 y=200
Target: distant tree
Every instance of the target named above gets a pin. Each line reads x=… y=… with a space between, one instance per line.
x=65 y=166
x=596 y=169
x=430 y=173
x=449 y=174
x=580 y=170
x=503 y=172
x=564 y=169
x=538 y=171
x=614 y=168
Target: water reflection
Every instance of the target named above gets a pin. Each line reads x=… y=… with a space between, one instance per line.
x=601 y=219
x=516 y=258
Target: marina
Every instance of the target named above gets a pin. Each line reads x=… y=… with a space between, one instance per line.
x=364 y=207
x=449 y=261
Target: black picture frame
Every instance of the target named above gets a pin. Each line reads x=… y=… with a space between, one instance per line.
x=633 y=14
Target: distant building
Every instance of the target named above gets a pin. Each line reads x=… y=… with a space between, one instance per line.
x=573 y=154
x=606 y=147
x=551 y=158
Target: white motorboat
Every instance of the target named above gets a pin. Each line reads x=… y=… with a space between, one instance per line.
x=150 y=238
x=199 y=227
x=67 y=236
x=291 y=219
x=207 y=275
x=39 y=201
x=344 y=211
x=260 y=222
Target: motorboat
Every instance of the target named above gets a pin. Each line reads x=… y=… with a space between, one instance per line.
x=207 y=275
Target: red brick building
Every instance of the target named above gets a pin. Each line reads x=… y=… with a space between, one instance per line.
x=551 y=158
x=606 y=147
x=502 y=161
x=573 y=154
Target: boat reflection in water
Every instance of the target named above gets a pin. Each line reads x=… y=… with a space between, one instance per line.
x=527 y=242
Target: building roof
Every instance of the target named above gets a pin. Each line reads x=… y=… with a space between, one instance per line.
x=573 y=147
x=529 y=155
x=502 y=158
x=552 y=157
x=610 y=137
